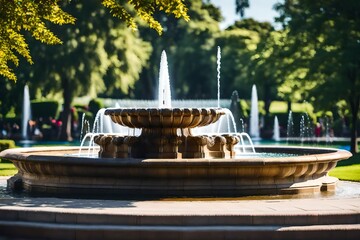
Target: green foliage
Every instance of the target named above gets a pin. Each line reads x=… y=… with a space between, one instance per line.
x=19 y=16
x=322 y=49
x=191 y=52
x=6 y=144
x=44 y=109
x=146 y=10
x=278 y=107
x=240 y=6
x=238 y=44
x=95 y=105
x=99 y=54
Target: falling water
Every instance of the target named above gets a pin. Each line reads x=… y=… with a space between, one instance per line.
x=276 y=135
x=229 y=126
x=26 y=113
x=164 y=83
x=84 y=126
x=327 y=130
x=254 y=114
x=218 y=61
x=242 y=125
x=243 y=145
x=290 y=126
x=302 y=128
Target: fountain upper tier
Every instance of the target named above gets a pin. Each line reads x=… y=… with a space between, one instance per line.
x=164 y=117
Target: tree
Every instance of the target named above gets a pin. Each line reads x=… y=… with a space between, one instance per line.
x=238 y=46
x=66 y=70
x=191 y=53
x=240 y=6
x=323 y=37
x=243 y=45
x=18 y=17
x=99 y=54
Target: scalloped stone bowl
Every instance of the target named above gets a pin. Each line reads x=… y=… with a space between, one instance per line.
x=57 y=170
x=164 y=117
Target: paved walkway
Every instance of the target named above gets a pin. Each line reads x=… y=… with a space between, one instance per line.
x=339 y=212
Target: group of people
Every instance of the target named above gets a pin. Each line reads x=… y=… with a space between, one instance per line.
x=38 y=129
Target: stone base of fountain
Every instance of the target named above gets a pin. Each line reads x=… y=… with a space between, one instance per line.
x=174 y=147
x=54 y=170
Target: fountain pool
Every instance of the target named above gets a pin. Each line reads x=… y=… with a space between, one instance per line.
x=166 y=159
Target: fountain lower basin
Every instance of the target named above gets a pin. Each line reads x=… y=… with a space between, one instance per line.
x=53 y=170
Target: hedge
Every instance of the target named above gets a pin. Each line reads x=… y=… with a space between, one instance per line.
x=6 y=144
x=44 y=109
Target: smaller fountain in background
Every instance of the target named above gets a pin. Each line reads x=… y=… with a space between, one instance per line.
x=85 y=127
x=328 y=135
x=164 y=94
x=306 y=131
x=276 y=135
x=302 y=129
x=26 y=113
x=218 y=61
x=242 y=125
x=254 y=114
x=290 y=127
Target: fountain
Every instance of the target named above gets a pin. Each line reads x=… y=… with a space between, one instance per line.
x=166 y=159
x=276 y=135
x=26 y=111
x=164 y=95
x=290 y=127
x=254 y=114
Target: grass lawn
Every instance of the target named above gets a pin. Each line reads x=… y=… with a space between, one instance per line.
x=350 y=173
x=7 y=169
x=348 y=169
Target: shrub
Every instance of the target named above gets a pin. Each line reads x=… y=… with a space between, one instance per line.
x=6 y=144
x=44 y=109
x=95 y=105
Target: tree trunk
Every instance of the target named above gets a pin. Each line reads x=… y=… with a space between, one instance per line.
x=288 y=105
x=267 y=102
x=354 y=105
x=65 y=132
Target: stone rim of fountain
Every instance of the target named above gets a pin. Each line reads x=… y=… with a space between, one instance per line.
x=52 y=170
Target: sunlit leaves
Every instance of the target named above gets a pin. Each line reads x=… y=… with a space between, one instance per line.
x=146 y=9
x=20 y=16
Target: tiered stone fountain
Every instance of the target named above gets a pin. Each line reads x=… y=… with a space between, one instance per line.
x=167 y=160
x=166 y=133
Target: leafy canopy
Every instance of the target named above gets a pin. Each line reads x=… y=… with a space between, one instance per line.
x=19 y=17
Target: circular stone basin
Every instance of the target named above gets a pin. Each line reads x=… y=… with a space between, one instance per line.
x=54 y=170
x=164 y=117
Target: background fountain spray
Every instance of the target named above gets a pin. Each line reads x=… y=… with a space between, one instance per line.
x=218 y=61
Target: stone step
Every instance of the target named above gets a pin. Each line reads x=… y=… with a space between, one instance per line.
x=106 y=218
x=37 y=230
